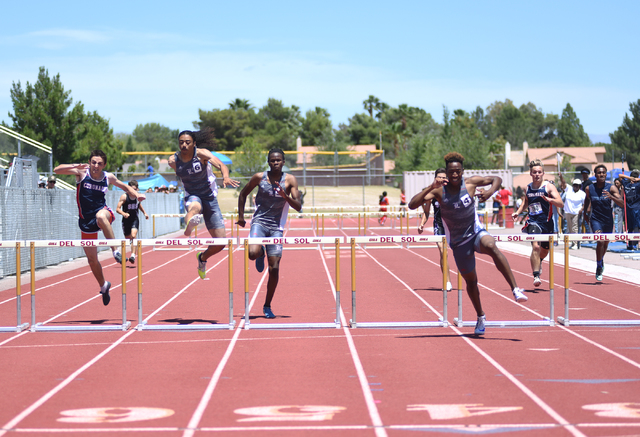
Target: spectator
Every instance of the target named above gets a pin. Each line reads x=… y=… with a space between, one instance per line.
x=384 y=201
x=150 y=170
x=42 y=182
x=618 y=211
x=51 y=182
x=496 y=209
x=573 y=205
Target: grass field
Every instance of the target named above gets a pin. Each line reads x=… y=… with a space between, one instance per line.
x=325 y=196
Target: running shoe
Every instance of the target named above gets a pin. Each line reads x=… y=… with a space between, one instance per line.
x=537 y=281
x=132 y=259
x=449 y=287
x=105 y=293
x=519 y=295
x=202 y=267
x=599 y=271
x=260 y=261
x=480 y=325
x=117 y=256
x=193 y=223
x=268 y=313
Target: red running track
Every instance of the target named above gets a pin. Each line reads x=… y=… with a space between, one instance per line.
x=544 y=380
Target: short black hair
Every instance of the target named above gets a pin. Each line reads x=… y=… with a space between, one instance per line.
x=275 y=150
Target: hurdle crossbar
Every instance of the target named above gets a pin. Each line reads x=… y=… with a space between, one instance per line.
x=546 y=321
x=245 y=242
x=78 y=328
x=353 y=323
x=568 y=238
x=19 y=327
x=144 y=326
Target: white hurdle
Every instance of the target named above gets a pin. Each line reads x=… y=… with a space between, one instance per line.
x=303 y=243
x=19 y=327
x=77 y=243
x=178 y=242
x=442 y=322
x=591 y=237
x=546 y=321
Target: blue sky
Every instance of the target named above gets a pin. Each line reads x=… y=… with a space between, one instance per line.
x=141 y=62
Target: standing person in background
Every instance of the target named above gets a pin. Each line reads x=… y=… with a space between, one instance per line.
x=438 y=227
x=539 y=198
x=128 y=208
x=631 y=186
x=598 y=201
x=495 y=217
x=573 y=205
x=403 y=202
x=193 y=166
x=465 y=233
x=276 y=192
x=51 y=182
x=618 y=211
x=92 y=184
x=384 y=202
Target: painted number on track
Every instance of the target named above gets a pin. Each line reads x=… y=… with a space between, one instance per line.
x=623 y=410
x=113 y=415
x=282 y=413
x=458 y=411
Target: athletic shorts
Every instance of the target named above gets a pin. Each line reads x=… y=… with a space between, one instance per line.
x=464 y=253
x=257 y=231
x=210 y=212
x=540 y=228
x=633 y=219
x=89 y=225
x=605 y=228
x=128 y=225
x=438 y=229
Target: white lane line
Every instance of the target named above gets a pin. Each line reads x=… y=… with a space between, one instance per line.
x=374 y=414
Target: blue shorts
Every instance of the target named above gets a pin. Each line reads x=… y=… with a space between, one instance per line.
x=605 y=228
x=540 y=228
x=464 y=253
x=89 y=225
x=257 y=231
x=210 y=212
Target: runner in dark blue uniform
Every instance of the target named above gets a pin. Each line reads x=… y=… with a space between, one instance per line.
x=540 y=196
x=599 y=197
x=94 y=215
x=438 y=227
x=193 y=168
x=631 y=186
x=464 y=231
x=128 y=208
x=276 y=192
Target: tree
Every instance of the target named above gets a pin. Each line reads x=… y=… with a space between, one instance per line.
x=363 y=130
x=371 y=104
x=43 y=111
x=626 y=139
x=316 y=126
x=154 y=137
x=278 y=125
x=240 y=104
x=230 y=126
x=250 y=158
x=570 y=131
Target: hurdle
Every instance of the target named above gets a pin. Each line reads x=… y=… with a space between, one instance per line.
x=19 y=325
x=442 y=322
x=589 y=237
x=143 y=325
x=546 y=321
x=77 y=243
x=291 y=241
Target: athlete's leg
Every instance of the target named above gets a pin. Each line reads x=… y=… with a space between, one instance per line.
x=96 y=268
x=212 y=250
x=601 y=250
x=471 y=279
x=488 y=247
x=538 y=254
x=193 y=208
x=132 y=236
x=104 y=217
x=274 y=276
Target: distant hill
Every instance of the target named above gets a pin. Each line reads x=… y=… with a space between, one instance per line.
x=600 y=138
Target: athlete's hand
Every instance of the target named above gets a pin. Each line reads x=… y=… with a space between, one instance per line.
x=279 y=190
x=420 y=229
x=482 y=194
x=141 y=197
x=514 y=215
x=231 y=182
x=241 y=222
x=146 y=216
x=440 y=181
x=126 y=215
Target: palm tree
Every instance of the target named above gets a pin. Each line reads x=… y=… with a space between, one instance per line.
x=240 y=104
x=370 y=104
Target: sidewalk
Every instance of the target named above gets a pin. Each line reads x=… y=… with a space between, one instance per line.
x=616 y=265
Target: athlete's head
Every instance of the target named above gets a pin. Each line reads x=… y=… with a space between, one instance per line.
x=441 y=171
x=634 y=173
x=203 y=138
x=133 y=183
x=536 y=163
x=275 y=159
x=99 y=153
x=601 y=173
x=455 y=167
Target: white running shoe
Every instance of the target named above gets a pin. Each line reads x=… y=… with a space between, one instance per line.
x=449 y=287
x=537 y=281
x=519 y=295
x=480 y=325
x=193 y=223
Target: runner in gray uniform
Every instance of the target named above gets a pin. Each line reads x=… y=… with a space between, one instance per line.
x=276 y=192
x=464 y=231
x=193 y=167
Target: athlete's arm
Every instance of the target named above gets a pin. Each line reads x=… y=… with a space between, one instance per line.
x=206 y=156
x=293 y=198
x=524 y=205
x=554 y=197
x=112 y=180
x=614 y=194
x=480 y=181
x=119 y=208
x=78 y=170
x=146 y=216
x=433 y=191
x=563 y=183
x=242 y=197
x=631 y=178
x=172 y=161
